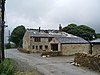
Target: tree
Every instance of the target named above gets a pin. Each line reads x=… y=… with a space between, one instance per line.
x=82 y=31
x=17 y=35
x=98 y=35
x=71 y=29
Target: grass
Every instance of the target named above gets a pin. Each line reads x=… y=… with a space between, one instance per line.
x=6 y=67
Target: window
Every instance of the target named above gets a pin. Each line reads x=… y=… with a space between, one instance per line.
x=37 y=39
x=49 y=39
x=46 y=46
x=40 y=46
x=36 y=47
x=30 y=36
x=33 y=47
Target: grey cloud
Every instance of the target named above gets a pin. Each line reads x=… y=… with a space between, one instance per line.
x=49 y=13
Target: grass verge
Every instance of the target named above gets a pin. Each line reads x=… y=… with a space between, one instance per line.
x=6 y=67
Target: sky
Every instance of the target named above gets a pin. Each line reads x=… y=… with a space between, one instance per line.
x=48 y=14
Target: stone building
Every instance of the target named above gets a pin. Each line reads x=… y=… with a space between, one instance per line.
x=55 y=41
x=95 y=46
x=69 y=45
x=36 y=41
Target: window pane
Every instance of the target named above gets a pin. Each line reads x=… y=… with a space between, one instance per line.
x=40 y=46
x=46 y=46
x=49 y=39
x=36 y=47
x=33 y=47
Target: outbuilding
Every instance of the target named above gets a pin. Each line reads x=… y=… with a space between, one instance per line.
x=95 y=46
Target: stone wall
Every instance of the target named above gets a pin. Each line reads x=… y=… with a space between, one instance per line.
x=44 y=42
x=86 y=60
x=70 y=49
x=96 y=49
x=26 y=41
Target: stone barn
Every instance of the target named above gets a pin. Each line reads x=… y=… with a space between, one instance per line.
x=95 y=46
x=69 y=45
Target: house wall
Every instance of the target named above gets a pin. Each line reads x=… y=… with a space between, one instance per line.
x=26 y=41
x=70 y=49
x=96 y=49
x=44 y=42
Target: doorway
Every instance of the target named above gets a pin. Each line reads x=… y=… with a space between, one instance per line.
x=54 y=47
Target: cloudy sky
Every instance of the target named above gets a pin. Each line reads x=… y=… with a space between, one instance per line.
x=49 y=13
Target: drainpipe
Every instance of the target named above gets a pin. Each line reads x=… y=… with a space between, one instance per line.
x=90 y=51
x=90 y=48
x=2 y=28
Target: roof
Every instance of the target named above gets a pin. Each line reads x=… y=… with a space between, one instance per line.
x=41 y=35
x=61 y=37
x=34 y=33
x=95 y=41
x=72 y=40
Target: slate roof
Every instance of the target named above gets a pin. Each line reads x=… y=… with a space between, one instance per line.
x=95 y=41
x=38 y=34
x=42 y=35
x=71 y=40
x=62 y=38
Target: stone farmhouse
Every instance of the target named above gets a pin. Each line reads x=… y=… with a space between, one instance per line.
x=36 y=40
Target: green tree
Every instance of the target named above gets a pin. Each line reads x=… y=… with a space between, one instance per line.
x=17 y=35
x=86 y=32
x=71 y=29
x=98 y=35
x=82 y=31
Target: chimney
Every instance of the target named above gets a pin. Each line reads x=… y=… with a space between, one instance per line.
x=39 y=29
x=60 y=28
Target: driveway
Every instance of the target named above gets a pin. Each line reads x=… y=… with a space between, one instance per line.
x=49 y=65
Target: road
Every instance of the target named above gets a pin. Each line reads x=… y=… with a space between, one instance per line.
x=49 y=65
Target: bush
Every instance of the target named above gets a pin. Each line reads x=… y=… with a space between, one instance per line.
x=8 y=46
x=6 y=67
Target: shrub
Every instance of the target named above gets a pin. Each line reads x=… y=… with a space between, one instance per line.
x=6 y=67
x=8 y=46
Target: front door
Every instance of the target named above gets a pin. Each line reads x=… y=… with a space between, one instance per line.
x=54 y=47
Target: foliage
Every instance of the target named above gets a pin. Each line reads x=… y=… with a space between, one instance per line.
x=97 y=35
x=71 y=29
x=6 y=67
x=8 y=46
x=82 y=31
x=17 y=35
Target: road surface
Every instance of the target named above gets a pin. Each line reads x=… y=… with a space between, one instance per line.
x=49 y=65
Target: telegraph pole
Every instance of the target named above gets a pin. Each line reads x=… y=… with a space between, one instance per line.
x=2 y=29
x=9 y=37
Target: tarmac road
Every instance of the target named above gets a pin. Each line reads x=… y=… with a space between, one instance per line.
x=49 y=65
